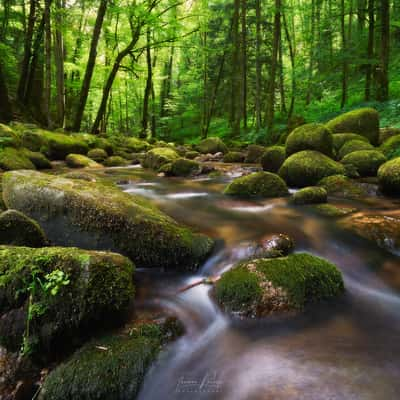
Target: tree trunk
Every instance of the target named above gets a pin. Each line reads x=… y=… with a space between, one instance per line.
x=166 y=85
x=281 y=79
x=47 y=55
x=312 y=54
x=258 y=66
x=244 y=63
x=292 y=63
x=90 y=66
x=5 y=105
x=59 y=61
x=370 y=49
x=147 y=91
x=383 y=71
x=344 y=54
x=236 y=77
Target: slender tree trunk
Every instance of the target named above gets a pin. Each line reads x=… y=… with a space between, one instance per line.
x=258 y=66
x=292 y=63
x=59 y=61
x=370 y=49
x=274 y=62
x=204 y=108
x=344 y=54
x=383 y=72
x=281 y=78
x=147 y=91
x=236 y=78
x=47 y=52
x=90 y=66
x=5 y=105
x=312 y=54
x=166 y=85
x=244 y=62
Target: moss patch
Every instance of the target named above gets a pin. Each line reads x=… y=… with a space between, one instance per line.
x=115 y=161
x=184 y=167
x=391 y=147
x=273 y=158
x=389 y=176
x=157 y=157
x=12 y=159
x=341 y=186
x=39 y=160
x=309 y=195
x=353 y=145
x=97 y=154
x=365 y=162
x=212 y=145
x=339 y=139
x=257 y=184
x=80 y=161
x=233 y=157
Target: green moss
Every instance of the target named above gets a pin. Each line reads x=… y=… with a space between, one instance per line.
x=80 y=161
x=136 y=145
x=8 y=137
x=331 y=211
x=233 y=157
x=342 y=186
x=364 y=121
x=391 y=146
x=309 y=195
x=11 y=159
x=310 y=137
x=97 y=154
x=212 y=145
x=19 y=230
x=157 y=157
x=353 y=145
x=259 y=287
x=389 y=176
x=94 y=215
x=39 y=160
x=273 y=158
x=339 y=139
x=190 y=155
x=254 y=153
x=115 y=161
x=366 y=162
x=386 y=133
x=308 y=167
x=31 y=140
x=112 y=368
x=184 y=167
x=257 y=184
x=98 y=293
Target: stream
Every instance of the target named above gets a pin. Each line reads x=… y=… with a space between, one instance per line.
x=346 y=350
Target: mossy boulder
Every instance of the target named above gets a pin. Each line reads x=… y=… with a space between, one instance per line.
x=273 y=158
x=80 y=161
x=234 y=157
x=69 y=292
x=157 y=157
x=366 y=162
x=266 y=286
x=39 y=160
x=191 y=154
x=183 y=167
x=254 y=153
x=342 y=186
x=97 y=154
x=386 y=133
x=97 y=216
x=32 y=140
x=19 y=230
x=11 y=159
x=8 y=137
x=332 y=211
x=257 y=185
x=389 y=176
x=391 y=147
x=212 y=145
x=135 y=145
x=309 y=195
x=306 y=168
x=310 y=137
x=111 y=367
x=115 y=161
x=339 y=139
x=364 y=121
x=353 y=145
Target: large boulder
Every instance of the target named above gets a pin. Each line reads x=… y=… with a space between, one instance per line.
x=182 y=167
x=273 y=158
x=391 y=147
x=64 y=293
x=353 y=145
x=342 y=186
x=39 y=160
x=80 y=161
x=310 y=137
x=97 y=154
x=339 y=139
x=265 y=286
x=19 y=230
x=364 y=121
x=157 y=157
x=389 y=176
x=115 y=161
x=254 y=153
x=8 y=137
x=309 y=195
x=234 y=157
x=136 y=145
x=308 y=167
x=386 y=133
x=212 y=145
x=12 y=159
x=258 y=185
x=97 y=216
x=365 y=162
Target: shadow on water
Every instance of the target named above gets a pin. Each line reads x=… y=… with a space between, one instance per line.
x=346 y=350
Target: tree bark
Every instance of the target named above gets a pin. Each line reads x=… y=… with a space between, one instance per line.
x=147 y=90
x=383 y=71
x=47 y=55
x=59 y=61
x=292 y=63
x=344 y=54
x=5 y=105
x=258 y=66
x=236 y=78
x=244 y=62
x=370 y=49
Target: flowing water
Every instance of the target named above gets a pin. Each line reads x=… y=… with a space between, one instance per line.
x=346 y=350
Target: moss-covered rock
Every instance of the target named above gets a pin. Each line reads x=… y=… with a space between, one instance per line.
x=11 y=159
x=32 y=140
x=364 y=121
x=342 y=186
x=332 y=211
x=8 y=137
x=339 y=139
x=366 y=162
x=264 y=286
x=212 y=145
x=80 y=161
x=234 y=157
x=308 y=167
x=258 y=184
x=353 y=145
x=391 y=147
x=273 y=158
x=183 y=167
x=69 y=293
x=309 y=195
x=19 y=230
x=157 y=157
x=310 y=137
x=97 y=154
x=39 y=160
x=389 y=176
x=91 y=215
x=115 y=161
x=191 y=155
x=111 y=367
x=254 y=153
x=386 y=133
x=135 y=145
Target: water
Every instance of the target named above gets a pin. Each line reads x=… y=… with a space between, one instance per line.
x=348 y=350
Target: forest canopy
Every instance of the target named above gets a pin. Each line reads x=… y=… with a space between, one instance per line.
x=182 y=70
